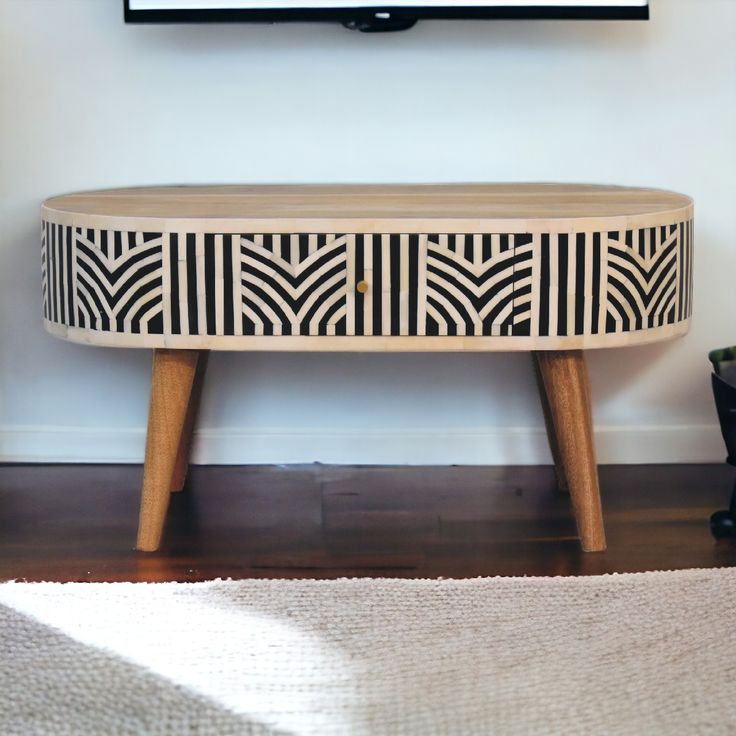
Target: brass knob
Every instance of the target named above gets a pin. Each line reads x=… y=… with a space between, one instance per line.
x=362 y=286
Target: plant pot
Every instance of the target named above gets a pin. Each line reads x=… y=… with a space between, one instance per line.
x=725 y=396
x=723 y=380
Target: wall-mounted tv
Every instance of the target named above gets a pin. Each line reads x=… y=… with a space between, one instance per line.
x=372 y=15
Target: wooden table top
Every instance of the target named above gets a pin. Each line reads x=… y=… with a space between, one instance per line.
x=372 y=208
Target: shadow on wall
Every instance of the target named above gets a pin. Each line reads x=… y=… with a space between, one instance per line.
x=461 y=35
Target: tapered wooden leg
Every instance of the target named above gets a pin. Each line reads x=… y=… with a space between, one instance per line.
x=565 y=379
x=181 y=466
x=171 y=386
x=549 y=425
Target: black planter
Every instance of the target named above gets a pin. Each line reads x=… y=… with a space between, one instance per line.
x=723 y=380
x=725 y=396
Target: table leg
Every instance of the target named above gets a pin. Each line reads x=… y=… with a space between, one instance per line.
x=565 y=378
x=181 y=466
x=550 y=427
x=171 y=389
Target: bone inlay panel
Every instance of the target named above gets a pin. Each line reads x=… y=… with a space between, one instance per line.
x=513 y=284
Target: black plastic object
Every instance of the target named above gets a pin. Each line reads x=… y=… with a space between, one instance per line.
x=723 y=524
x=394 y=16
x=723 y=379
x=725 y=396
x=380 y=23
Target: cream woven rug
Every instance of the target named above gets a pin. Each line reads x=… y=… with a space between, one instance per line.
x=646 y=654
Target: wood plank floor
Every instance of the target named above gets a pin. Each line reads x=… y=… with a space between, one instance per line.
x=71 y=523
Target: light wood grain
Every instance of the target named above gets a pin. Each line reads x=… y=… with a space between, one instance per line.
x=181 y=465
x=566 y=384
x=376 y=208
x=171 y=386
x=550 y=427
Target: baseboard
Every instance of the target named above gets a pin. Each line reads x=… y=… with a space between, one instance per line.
x=505 y=446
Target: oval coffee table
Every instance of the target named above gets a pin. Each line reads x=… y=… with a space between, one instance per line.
x=551 y=269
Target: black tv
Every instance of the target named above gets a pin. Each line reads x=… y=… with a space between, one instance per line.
x=377 y=15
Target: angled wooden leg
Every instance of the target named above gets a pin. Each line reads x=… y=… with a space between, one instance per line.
x=550 y=427
x=181 y=467
x=171 y=386
x=565 y=379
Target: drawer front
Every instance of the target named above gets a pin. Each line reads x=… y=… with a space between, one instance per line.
x=292 y=284
x=102 y=280
x=432 y=285
x=256 y=284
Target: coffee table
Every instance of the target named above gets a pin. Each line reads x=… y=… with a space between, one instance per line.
x=553 y=269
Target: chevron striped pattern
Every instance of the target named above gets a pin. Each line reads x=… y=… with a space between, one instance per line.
x=294 y=284
x=487 y=284
x=607 y=283
x=645 y=285
x=476 y=284
x=103 y=280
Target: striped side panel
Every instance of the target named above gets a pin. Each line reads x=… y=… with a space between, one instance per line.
x=44 y=271
x=58 y=274
x=645 y=272
x=593 y=283
x=685 y=271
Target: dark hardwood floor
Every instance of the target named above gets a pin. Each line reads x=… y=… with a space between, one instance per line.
x=68 y=523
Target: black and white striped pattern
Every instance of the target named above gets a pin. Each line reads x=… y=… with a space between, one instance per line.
x=294 y=284
x=649 y=277
x=497 y=284
x=606 y=283
x=256 y=284
x=477 y=284
x=102 y=279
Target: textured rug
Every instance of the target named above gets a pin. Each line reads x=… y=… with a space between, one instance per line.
x=641 y=654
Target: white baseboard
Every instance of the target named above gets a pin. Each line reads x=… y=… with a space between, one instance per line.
x=503 y=446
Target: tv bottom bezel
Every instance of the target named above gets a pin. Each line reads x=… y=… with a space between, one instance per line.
x=348 y=14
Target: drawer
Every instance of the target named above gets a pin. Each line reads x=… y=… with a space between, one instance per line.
x=436 y=285
x=294 y=284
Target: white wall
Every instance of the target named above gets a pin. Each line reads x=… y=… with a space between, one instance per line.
x=87 y=102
